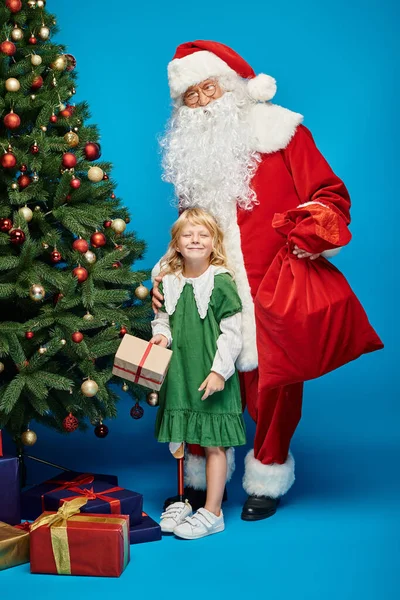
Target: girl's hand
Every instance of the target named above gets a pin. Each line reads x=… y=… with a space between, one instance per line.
x=213 y=383
x=159 y=340
x=303 y=254
x=157 y=297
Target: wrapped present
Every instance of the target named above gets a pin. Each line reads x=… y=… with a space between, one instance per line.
x=71 y=543
x=101 y=499
x=33 y=500
x=147 y=531
x=14 y=545
x=141 y=362
x=10 y=490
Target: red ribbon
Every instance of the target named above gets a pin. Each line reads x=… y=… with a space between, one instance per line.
x=115 y=503
x=83 y=479
x=138 y=374
x=24 y=526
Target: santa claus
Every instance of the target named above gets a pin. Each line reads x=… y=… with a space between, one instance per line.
x=230 y=151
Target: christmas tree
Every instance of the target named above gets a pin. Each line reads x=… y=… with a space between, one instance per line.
x=67 y=290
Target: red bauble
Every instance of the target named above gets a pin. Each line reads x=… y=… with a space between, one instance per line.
x=34 y=149
x=8 y=160
x=81 y=245
x=68 y=197
x=57 y=297
x=127 y=220
x=98 y=239
x=112 y=196
x=53 y=119
x=92 y=151
x=37 y=82
x=29 y=335
x=5 y=225
x=80 y=273
x=14 y=6
x=107 y=223
x=71 y=62
x=24 y=181
x=70 y=423
x=12 y=121
x=8 y=48
x=32 y=40
x=17 y=237
x=136 y=411
x=117 y=264
x=75 y=183
x=69 y=160
x=23 y=168
x=77 y=337
x=66 y=112
x=55 y=256
x=105 y=177
x=101 y=431
x=122 y=331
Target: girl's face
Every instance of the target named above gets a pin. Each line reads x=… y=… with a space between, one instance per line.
x=195 y=244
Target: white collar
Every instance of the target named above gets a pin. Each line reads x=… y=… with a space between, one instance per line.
x=202 y=288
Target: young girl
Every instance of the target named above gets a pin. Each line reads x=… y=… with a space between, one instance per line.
x=200 y=398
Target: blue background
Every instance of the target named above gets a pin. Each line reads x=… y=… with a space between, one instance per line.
x=336 y=534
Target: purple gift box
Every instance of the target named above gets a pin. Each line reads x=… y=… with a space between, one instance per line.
x=147 y=531
x=102 y=499
x=9 y=490
x=33 y=500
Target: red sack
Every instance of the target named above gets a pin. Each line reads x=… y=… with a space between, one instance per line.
x=308 y=319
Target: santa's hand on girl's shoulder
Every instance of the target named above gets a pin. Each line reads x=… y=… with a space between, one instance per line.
x=159 y=340
x=213 y=383
x=156 y=296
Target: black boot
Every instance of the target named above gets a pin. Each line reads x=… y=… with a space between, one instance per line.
x=259 y=507
x=197 y=498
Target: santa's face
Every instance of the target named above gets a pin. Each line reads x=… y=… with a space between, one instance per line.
x=195 y=244
x=202 y=94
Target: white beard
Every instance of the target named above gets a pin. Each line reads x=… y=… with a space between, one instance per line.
x=208 y=157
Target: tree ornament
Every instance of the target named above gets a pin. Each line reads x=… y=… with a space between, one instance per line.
x=32 y=3
x=89 y=388
x=37 y=292
x=45 y=245
x=60 y=63
x=8 y=160
x=17 y=237
x=26 y=213
x=41 y=3
x=152 y=399
x=36 y=60
x=34 y=149
x=55 y=256
x=71 y=62
x=92 y=151
x=137 y=411
x=72 y=139
x=77 y=337
x=42 y=350
x=53 y=118
x=125 y=387
x=12 y=84
x=127 y=220
x=98 y=239
x=122 y=332
x=37 y=208
x=88 y=317
x=66 y=112
x=80 y=273
x=117 y=264
x=95 y=174
x=37 y=82
x=44 y=32
x=2 y=367
x=75 y=183
x=24 y=181
x=8 y=48
x=23 y=168
x=28 y=437
x=29 y=335
x=35 y=177
x=43 y=127
x=63 y=342
x=107 y=224
x=69 y=160
x=12 y=120
x=33 y=97
x=70 y=423
x=90 y=257
x=32 y=40
x=81 y=245
x=14 y=186
x=17 y=34
x=118 y=225
x=101 y=430
x=141 y=292
x=14 y=6
x=5 y=225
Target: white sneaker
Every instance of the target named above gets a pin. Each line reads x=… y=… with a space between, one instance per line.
x=202 y=523
x=174 y=515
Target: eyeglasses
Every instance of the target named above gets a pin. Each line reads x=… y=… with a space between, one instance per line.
x=191 y=98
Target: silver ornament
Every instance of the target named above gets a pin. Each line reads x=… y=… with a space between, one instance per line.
x=26 y=213
x=17 y=34
x=152 y=399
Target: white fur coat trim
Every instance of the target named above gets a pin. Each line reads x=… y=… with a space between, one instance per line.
x=267 y=480
x=272 y=126
x=195 y=469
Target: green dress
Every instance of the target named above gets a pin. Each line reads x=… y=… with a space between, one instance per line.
x=182 y=415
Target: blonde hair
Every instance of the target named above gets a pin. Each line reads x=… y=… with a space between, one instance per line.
x=173 y=261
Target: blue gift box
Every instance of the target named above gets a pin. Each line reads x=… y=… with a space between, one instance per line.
x=147 y=531
x=9 y=490
x=102 y=499
x=33 y=500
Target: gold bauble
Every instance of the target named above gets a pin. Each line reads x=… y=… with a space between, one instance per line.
x=118 y=225
x=45 y=245
x=88 y=317
x=37 y=292
x=95 y=174
x=17 y=34
x=26 y=213
x=28 y=438
x=89 y=388
x=44 y=33
x=36 y=60
x=62 y=106
x=1 y=367
x=60 y=63
x=141 y=292
x=12 y=84
x=72 y=139
x=41 y=3
x=33 y=97
x=38 y=209
x=152 y=399
x=43 y=127
x=63 y=342
x=125 y=387
x=14 y=186
x=32 y=3
x=42 y=350
x=90 y=257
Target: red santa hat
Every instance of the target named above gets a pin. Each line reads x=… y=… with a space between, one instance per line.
x=196 y=61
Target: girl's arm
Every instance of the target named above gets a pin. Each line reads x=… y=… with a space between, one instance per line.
x=229 y=345
x=160 y=326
